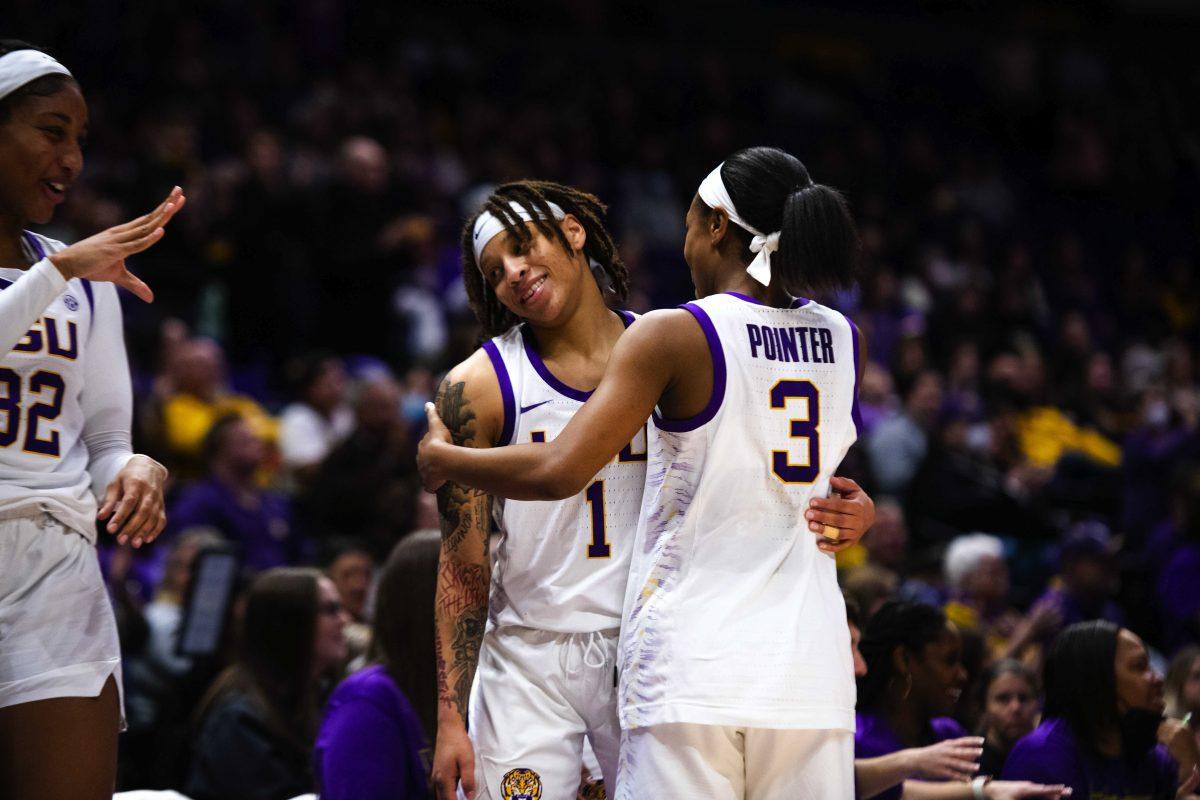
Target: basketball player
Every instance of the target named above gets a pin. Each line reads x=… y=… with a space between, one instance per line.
x=65 y=409
x=545 y=677
x=736 y=679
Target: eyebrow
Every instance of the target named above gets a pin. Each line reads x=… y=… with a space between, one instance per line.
x=60 y=115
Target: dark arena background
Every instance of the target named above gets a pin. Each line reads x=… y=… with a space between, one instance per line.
x=1026 y=181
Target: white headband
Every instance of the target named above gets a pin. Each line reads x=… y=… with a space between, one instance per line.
x=23 y=66
x=714 y=194
x=488 y=227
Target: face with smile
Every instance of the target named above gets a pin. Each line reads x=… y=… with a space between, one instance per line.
x=41 y=153
x=938 y=675
x=538 y=280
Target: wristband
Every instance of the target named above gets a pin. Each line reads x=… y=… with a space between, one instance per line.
x=977 y=787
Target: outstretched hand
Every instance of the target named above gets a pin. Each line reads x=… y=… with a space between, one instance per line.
x=437 y=436
x=102 y=257
x=842 y=518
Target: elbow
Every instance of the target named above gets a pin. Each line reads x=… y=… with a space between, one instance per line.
x=558 y=482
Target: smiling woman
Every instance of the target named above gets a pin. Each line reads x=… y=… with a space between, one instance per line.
x=65 y=454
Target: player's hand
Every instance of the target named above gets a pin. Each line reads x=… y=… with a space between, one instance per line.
x=1018 y=790
x=437 y=436
x=840 y=520
x=950 y=760
x=102 y=257
x=453 y=762
x=134 y=501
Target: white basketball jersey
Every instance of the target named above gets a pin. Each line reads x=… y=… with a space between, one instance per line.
x=561 y=565
x=732 y=615
x=43 y=458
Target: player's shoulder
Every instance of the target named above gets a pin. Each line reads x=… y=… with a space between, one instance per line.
x=473 y=385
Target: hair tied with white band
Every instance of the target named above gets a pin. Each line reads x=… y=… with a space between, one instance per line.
x=488 y=226
x=714 y=194
x=25 y=66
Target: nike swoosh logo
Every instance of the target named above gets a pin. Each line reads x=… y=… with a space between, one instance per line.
x=532 y=407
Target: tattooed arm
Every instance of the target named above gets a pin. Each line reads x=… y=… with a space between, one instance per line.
x=470 y=404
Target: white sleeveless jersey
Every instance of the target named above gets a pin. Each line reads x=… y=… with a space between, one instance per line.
x=64 y=402
x=561 y=565
x=732 y=615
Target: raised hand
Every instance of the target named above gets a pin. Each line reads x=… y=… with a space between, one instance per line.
x=102 y=257
x=949 y=760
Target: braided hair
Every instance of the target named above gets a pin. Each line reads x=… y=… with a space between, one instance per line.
x=535 y=197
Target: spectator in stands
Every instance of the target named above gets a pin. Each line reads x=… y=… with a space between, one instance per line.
x=350 y=566
x=931 y=748
x=898 y=444
x=199 y=396
x=1086 y=577
x=1182 y=688
x=259 y=720
x=320 y=419
x=977 y=580
x=914 y=678
x=257 y=521
x=1008 y=693
x=366 y=487
x=888 y=543
x=1103 y=721
x=372 y=743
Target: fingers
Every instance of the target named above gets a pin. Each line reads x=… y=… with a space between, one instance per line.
x=817 y=519
x=146 y=522
x=110 y=499
x=174 y=197
x=844 y=485
x=466 y=776
x=434 y=420
x=125 y=506
x=136 y=285
x=827 y=546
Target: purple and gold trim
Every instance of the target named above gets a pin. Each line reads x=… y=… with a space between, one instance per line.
x=855 y=411
x=797 y=302
x=544 y=372
x=506 y=392
x=718 y=387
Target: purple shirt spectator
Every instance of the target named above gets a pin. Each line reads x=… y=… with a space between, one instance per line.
x=371 y=745
x=1179 y=593
x=1052 y=755
x=263 y=530
x=874 y=737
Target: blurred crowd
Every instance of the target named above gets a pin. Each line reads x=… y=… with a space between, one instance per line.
x=1028 y=193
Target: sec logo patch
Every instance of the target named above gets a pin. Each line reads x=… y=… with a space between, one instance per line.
x=521 y=784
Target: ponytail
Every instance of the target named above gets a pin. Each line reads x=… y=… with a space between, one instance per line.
x=819 y=249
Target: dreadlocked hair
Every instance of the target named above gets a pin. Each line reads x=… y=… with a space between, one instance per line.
x=535 y=197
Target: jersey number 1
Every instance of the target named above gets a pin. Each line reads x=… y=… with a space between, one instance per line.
x=807 y=429
x=598 y=547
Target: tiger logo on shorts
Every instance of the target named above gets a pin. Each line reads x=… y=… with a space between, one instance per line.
x=521 y=784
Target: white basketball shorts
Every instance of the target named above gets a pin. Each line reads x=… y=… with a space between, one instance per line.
x=725 y=763
x=537 y=696
x=58 y=635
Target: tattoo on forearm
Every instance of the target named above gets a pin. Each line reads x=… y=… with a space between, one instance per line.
x=461 y=613
x=461 y=508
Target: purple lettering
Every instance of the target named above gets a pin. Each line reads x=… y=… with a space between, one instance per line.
x=814 y=335
x=787 y=345
x=755 y=339
x=770 y=343
x=827 y=345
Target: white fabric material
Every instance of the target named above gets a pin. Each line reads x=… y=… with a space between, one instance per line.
x=23 y=66
x=60 y=635
x=306 y=437
x=489 y=226
x=544 y=577
x=714 y=194
x=538 y=698
x=733 y=616
x=727 y=763
x=69 y=442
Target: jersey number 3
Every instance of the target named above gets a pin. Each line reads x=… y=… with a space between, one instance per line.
x=10 y=407
x=806 y=429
